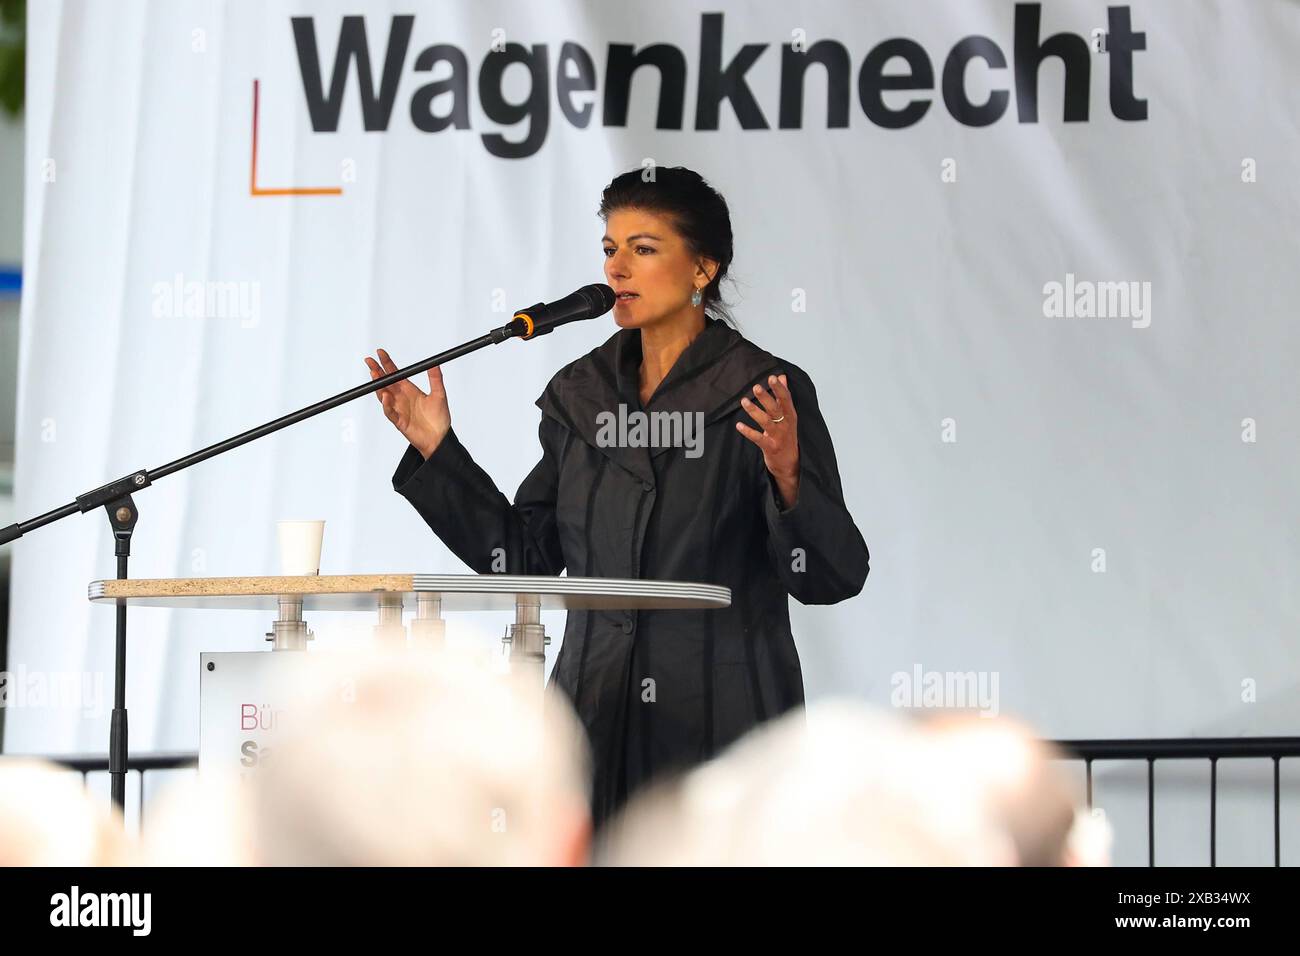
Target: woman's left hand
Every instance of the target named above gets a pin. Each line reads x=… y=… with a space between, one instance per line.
x=779 y=439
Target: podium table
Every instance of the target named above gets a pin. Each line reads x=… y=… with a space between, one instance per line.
x=428 y=594
x=226 y=679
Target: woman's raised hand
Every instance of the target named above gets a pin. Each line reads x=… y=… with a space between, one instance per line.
x=423 y=419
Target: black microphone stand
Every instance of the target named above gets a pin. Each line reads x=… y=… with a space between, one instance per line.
x=115 y=497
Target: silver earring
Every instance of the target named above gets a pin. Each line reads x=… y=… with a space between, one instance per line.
x=697 y=297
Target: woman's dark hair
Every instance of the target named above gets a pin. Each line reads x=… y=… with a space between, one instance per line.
x=696 y=208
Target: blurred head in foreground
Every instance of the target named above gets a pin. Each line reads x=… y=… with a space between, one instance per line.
x=406 y=757
x=47 y=818
x=1016 y=778
x=854 y=786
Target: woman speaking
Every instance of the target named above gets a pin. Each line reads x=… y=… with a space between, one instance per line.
x=755 y=505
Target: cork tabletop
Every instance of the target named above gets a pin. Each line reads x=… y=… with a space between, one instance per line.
x=362 y=592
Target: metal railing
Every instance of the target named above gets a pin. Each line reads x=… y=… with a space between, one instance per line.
x=1212 y=749
x=86 y=764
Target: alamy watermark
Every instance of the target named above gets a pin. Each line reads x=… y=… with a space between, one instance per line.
x=208 y=299
x=948 y=690
x=639 y=429
x=1084 y=299
x=74 y=908
x=68 y=690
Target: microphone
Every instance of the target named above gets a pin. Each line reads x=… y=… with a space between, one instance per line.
x=587 y=303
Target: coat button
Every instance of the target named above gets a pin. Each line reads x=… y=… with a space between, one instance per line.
x=646 y=486
x=627 y=626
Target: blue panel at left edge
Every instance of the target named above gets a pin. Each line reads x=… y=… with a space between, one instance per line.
x=11 y=280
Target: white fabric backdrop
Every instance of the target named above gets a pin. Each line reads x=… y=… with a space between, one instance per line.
x=924 y=302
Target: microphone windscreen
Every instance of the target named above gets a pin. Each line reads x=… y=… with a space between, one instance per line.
x=603 y=297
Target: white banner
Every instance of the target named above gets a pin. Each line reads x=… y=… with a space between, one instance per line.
x=1039 y=260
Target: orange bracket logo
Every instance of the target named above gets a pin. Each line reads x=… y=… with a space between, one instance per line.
x=256 y=190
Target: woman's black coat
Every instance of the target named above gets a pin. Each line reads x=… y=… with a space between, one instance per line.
x=660 y=690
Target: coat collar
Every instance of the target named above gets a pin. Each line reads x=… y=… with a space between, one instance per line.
x=709 y=376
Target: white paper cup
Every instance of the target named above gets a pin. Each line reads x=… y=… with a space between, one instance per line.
x=300 y=543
